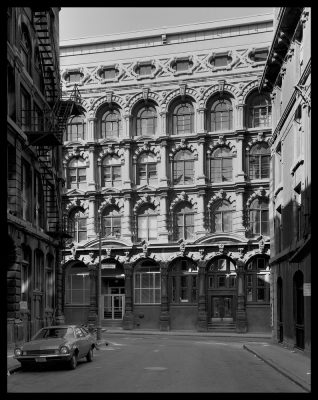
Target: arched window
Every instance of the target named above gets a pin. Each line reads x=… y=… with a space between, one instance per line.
x=76 y=171
x=257 y=280
x=76 y=128
x=222 y=274
x=147 y=283
x=111 y=225
x=77 y=226
x=259 y=158
x=147 y=223
x=26 y=49
x=298 y=308
x=183 y=167
x=111 y=171
x=183 y=119
x=146 y=169
x=77 y=289
x=111 y=125
x=183 y=282
x=259 y=111
x=222 y=217
x=146 y=121
x=221 y=166
x=184 y=222
x=258 y=216
x=221 y=115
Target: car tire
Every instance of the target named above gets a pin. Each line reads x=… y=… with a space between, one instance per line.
x=73 y=362
x=89 y=356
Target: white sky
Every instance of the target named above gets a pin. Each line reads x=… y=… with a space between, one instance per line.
x=78 y=22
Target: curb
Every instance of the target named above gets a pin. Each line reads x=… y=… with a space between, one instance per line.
x=279 y=369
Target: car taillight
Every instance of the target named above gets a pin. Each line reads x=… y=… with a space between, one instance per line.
x=64 y=350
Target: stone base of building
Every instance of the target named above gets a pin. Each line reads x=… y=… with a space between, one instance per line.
x=128 y=321
x=165 y=321
x=202 y=321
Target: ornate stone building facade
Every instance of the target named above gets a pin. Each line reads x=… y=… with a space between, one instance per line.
x=167 y=172
x=288 y=75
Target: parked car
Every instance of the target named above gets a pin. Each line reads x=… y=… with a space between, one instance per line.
x=62 y=343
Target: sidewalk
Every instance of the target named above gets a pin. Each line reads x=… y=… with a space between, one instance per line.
x=292 y=364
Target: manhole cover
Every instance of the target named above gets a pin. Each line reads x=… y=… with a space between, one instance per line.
x=156 y=368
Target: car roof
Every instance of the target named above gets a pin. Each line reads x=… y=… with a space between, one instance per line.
x=60 y=326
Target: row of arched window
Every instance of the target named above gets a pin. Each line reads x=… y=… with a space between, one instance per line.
x=181 y=118
x=219 y=167
x=182 y=281
x=220 y=218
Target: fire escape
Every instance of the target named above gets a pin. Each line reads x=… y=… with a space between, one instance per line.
x=45 y=129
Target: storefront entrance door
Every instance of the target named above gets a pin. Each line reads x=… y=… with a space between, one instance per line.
x=113 y=306
x=222 y=308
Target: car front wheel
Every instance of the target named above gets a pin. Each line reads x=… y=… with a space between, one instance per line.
x=89 y=356
x=73 y=361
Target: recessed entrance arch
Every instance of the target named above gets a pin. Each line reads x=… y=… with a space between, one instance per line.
x=221 y=282
x=112 y=290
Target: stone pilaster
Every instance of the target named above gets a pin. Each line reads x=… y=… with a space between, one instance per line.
x=164 y=310
x=200 y=216
x=202 y=313
x=163 y=178
x=201 y=178
x=163 y=123
x=239 y=227
x=127 y=126
x=91 y=178
x=92 y=313
x=126 y=224
x=163 y=232
x=241 y=318
x=240 y=110
x=128 y=320
x=201 y=120
x=127 y=167
x=91 y=231
x=91 y=123
x=239 y=172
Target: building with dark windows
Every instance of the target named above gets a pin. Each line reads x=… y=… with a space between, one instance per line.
x=167 y=178
x=287 y=74
x=36 y=118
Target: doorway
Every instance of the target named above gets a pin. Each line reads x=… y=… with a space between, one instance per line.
x=222 y=308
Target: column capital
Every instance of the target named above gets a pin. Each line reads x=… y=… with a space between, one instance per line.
x=128 y=269
x=91 y=119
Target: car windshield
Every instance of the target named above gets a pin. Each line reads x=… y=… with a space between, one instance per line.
x=48 y=333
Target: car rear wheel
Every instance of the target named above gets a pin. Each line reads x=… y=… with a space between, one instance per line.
x=73 y=361
x=89 y=356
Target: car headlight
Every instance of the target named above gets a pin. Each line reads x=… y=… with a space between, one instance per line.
x=64 y=350
x=18 y=352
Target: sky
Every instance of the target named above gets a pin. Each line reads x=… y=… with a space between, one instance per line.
x=79 y=22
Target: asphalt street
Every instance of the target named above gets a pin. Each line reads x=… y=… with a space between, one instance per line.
x=160 y=364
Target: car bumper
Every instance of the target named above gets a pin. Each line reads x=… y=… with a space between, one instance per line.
x=44 y=358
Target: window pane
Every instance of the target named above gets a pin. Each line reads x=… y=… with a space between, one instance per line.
x=227 y=221
x=216 y=170
x=188 y=171
x=254 y=167
x=82 y=236
x=227 y=169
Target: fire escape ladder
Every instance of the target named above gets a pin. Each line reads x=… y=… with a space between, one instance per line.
x=47 y=49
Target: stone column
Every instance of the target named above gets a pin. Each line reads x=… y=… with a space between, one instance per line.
x=128 y=320
x=92 y=313
x=91 y=129
x=59 y=315
x=127 y=167
x=163 y=178
x=201 y=178
x=200 y=216
x=164 y=310
x=239 y=212
x=239 y=171
x=241 y=319
x=163 y=232
x=163 y=123
x=91 y=231
x=202 y=313
x=91 y=178
x=126 y=224
x=201 y=120
x=240 y=120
